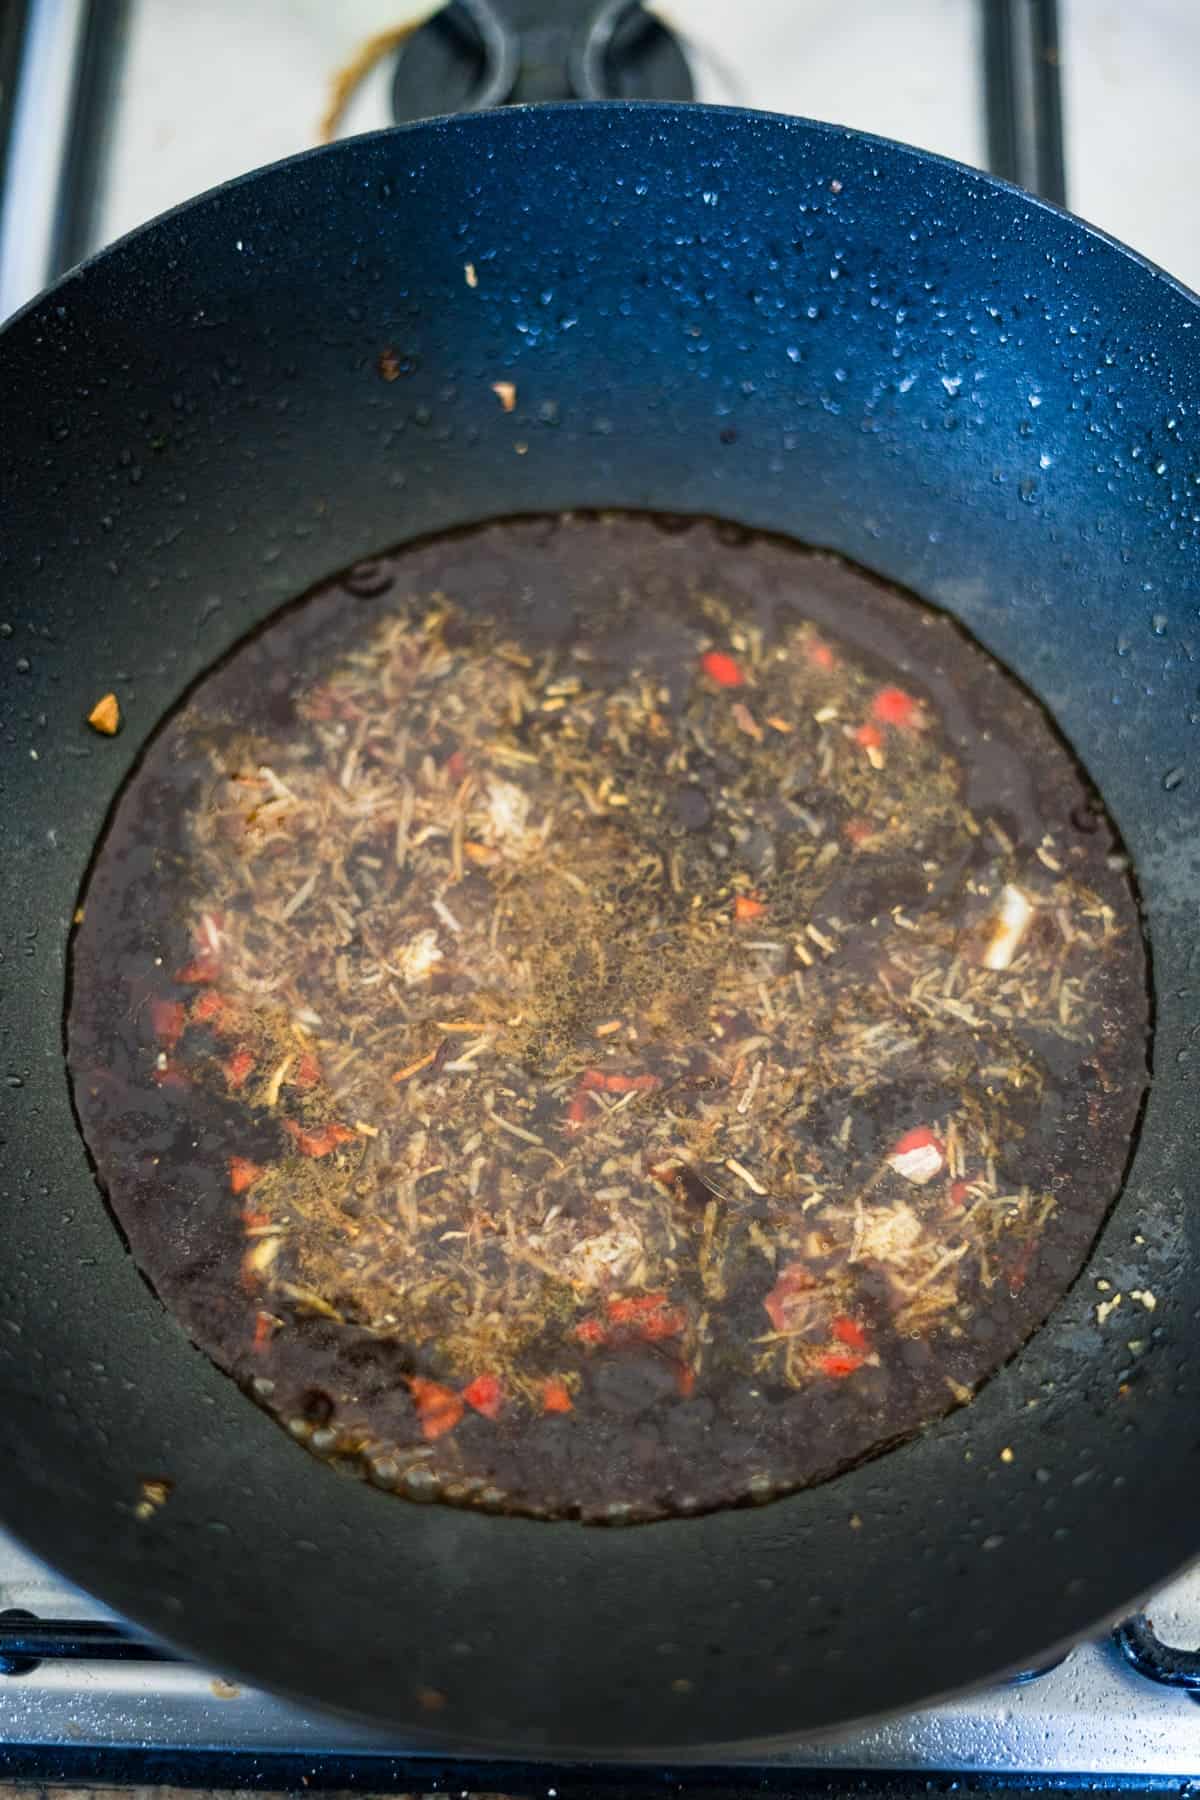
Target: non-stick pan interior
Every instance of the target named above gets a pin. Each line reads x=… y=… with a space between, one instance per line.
x=700 y=311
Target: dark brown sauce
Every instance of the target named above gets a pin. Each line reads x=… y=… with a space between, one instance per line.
x=586 y=1019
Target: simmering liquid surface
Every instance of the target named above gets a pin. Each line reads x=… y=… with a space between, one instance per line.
x=606 y=1018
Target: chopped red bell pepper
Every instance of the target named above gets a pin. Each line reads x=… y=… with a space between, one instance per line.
x=591 y=1332
x=746 y=907
x=869 y=736
x=848 y=1331
x=438 y=1408
x=556 y=1397
x=722 y=669
x=840 y=1366
x=485 y=1394
x=308 y=1071
x=819 y=654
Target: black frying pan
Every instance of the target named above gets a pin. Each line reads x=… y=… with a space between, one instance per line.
x=989 y=403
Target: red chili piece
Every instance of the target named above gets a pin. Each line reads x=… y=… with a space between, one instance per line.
x=633 y=1318
x=892 y=706
x=746 y=906
x=485 y=1394
x=920 y=1137
x=201 y=969
x=820 y=655
x=438 y=1408
x=264 y=1331
x=626 y=1084
x=580 y=1114
x=869 y=736
x=308 y=1071
x=321 y=1141
x=840 y=1366
x=848 y=1331
x=239 y=1067
x=794 y=1280
x=556 y=1397
x=648 y=1316
x=722 y=669
x=243 y=1173
x=216 y=1010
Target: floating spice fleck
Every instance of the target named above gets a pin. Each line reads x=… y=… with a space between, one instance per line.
x=105 y=716
x=628 y=1023
x=1007 y=927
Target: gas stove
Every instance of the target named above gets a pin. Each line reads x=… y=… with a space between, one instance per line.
x=84 y=1698
x=111 y=111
